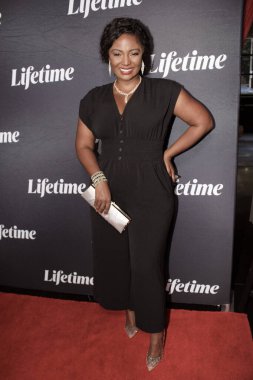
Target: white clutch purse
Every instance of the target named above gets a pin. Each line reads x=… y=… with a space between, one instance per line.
x=116 y=217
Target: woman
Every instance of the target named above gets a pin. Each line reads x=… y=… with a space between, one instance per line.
x=131 y=117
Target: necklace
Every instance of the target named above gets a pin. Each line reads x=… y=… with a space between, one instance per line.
x=126 y=94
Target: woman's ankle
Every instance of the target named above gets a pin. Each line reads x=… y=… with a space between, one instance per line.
x=156 y=338
x=130 y=317
x=156 y=343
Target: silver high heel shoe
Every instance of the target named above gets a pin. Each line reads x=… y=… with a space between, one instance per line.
x=131 y=331
x=151 y=361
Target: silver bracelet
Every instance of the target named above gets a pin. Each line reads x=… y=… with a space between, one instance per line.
x=99 y=180
x=97 y=174
x=98 y=177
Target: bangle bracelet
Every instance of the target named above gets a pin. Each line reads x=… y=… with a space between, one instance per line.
x=97 y=174
x=100 y=180
x=98 y=177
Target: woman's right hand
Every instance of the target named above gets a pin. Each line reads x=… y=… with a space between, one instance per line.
x=102 y=197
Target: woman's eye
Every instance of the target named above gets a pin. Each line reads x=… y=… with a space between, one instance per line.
x=116 y=54
x=136 y=53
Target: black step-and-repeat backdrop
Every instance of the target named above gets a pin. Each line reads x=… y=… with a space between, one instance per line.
x=49 y=60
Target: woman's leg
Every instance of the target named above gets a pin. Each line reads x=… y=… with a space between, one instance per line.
x=111 y=267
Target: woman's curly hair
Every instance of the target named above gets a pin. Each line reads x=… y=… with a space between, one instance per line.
x=121 y=25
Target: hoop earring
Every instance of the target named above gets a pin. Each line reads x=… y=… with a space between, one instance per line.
x=110 y=68
x=142 y=67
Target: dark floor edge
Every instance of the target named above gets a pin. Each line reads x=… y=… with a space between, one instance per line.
x=90 y=298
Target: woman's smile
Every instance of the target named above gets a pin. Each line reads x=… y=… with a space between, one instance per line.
x=126 y=71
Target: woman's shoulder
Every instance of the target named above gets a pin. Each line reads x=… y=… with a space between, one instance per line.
x=97 y=91
x=163 y=83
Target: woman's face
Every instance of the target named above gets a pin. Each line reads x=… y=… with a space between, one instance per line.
x=125 y=56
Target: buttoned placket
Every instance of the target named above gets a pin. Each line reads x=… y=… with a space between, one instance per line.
x=121 y=141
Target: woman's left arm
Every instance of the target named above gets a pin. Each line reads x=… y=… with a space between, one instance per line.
x=200 y=123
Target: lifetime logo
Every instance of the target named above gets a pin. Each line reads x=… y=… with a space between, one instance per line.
x=190 y=287
x=192 y=61
x=9 y=137
x=15 y=233
x=28 y=75
x=44 y=186
x=85 y=6
x=58 y=277
x=198 y=189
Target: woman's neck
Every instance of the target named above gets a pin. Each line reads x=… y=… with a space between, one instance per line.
x=127 y=85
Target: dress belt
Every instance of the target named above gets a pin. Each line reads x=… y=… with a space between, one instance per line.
x=131 y=149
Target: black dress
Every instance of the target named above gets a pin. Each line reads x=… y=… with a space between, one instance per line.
x=129 y=267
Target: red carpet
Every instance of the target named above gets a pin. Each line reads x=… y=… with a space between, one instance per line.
x=49 y=339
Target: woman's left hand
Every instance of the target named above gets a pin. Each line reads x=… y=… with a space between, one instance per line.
x=170 y=167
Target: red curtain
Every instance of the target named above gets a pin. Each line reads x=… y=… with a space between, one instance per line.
x=248 y=17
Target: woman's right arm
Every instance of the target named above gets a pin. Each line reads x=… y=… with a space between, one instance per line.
x=85 y=142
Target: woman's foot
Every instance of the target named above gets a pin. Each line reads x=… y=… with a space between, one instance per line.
x=155 y=352
x=130 y=326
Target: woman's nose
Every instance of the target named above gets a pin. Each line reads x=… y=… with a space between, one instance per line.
x=126 y=60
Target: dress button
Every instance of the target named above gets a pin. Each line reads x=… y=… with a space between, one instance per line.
x=121 y=141
x=119 y=158
x=121 y=131
x=120 y=149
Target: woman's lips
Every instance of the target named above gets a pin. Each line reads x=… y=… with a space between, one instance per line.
x=126 y=71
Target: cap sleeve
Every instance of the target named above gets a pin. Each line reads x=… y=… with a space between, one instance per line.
x=175 y=91
x=86 y=108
